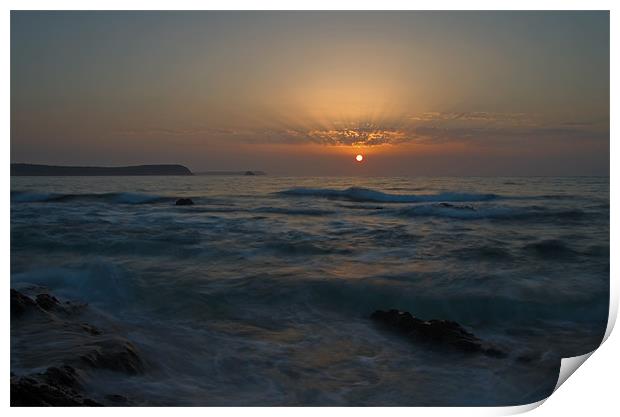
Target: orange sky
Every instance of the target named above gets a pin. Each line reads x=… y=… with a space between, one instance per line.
x=301 y=93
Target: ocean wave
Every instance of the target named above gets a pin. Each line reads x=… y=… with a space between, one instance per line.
x=98 y=282
x=292 y=211
x=114 y=198
x=304 y=248
x=369 y=195
x=361 y=207
x=411 y=292
x=262 y=210
x=466 y=212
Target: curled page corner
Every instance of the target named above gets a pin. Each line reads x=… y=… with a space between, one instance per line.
x=613 y=314
x=568 y=366
x=520 y=409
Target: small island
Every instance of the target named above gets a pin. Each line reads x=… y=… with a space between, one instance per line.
x=55 y=170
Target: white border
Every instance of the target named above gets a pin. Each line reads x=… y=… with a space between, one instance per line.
x=309 y=5
x=593 y=390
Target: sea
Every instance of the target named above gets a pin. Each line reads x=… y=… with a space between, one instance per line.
x=260 y=293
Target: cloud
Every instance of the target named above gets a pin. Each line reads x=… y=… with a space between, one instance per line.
x=365 y=136
x=483 y=128
x=499 y=136
x=579 y=124
x=488 y=117
x=160 y=131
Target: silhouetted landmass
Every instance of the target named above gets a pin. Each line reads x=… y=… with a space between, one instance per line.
x=231 y=173
x=53 y=170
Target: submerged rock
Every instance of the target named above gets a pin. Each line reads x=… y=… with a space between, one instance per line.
x=21 y=304
x=115 y=355
x=441 y=332
x=64 y=375
x=184 y=202
x=54 y=387
x=81 y=346
x=44 y=302
x=47 y=302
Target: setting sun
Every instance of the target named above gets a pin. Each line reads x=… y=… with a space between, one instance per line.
x=359 y=158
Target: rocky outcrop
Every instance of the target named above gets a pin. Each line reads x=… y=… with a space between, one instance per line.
x=82 y=349
x=115 y=355
x=184 y=202
x=439 y=332
x=47 y=302
x=21 y=304
x=54 y=387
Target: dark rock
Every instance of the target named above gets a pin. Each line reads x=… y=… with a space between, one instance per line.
x=54 y=387
x=64 y=376
x=61 y=385
x=47 y=302
x=442 y=332
x=28 y=392
x=454 y=206
x=116 y=355
x=21 y=303
x=249 y=173
x=184 y=202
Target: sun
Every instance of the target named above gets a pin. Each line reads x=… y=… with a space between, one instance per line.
x=359 y=157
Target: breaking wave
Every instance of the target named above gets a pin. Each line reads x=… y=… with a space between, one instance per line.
x=369 y=195
x=466 y=212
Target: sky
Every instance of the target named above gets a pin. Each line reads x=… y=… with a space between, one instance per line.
x=302 y=93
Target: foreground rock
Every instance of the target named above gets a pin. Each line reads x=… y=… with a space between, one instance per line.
x=54 y=387
x=22 y=304
x=184 y=202
x=115 y=355
x=45 y=326
x=440 y=332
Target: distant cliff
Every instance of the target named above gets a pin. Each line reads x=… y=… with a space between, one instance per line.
x=52 y=170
